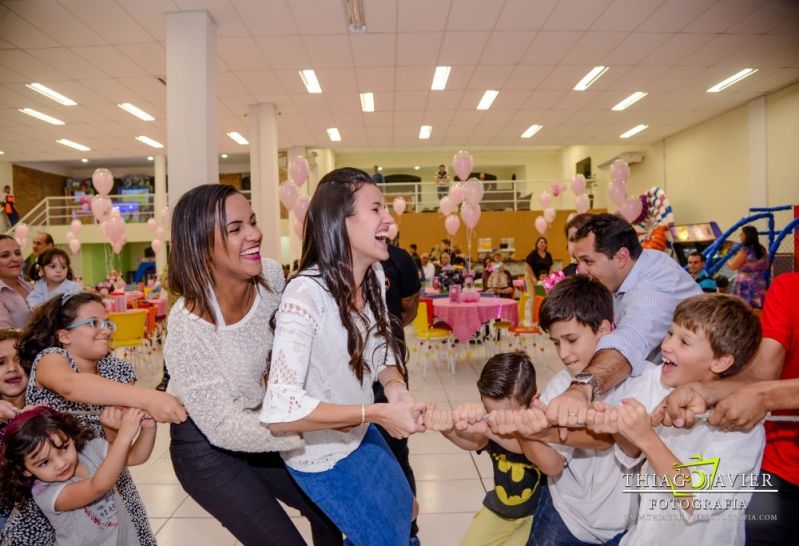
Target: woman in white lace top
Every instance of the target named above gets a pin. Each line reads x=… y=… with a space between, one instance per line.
x=217 y=352
x=332 y=339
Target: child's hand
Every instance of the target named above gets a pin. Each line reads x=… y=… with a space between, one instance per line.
x=438 y=420
x=147 y=421
x=131 y=422
x=602 y=418
x=111 y=417
x=531 y=422
x=165 y=408
x=502 y=422
x=468 y=414
x=634 y=421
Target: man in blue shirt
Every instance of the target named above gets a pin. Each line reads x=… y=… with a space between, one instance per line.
x=377 y=176
x=696 y=267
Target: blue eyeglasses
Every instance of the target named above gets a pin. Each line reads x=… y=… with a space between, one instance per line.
x=95 y=323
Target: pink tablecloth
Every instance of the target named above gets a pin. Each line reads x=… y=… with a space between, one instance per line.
x=466 y=318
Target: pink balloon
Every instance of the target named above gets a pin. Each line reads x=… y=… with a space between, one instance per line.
x=70 y=235
x=446 y=206
x=631 y=209
x=470 y=214
x=619 y=171
x=298 y=171
x=76 y=226
x=152 y=225
x=617 y=192
x=545 y=199
x=117 y=247
x=399 y=205
x=115 y=229
x=541 y=224
x=456 y=194
x=473 y=191
x=298 y=227
x=555 y=189
x=166 y=216
x=103 y=226
x=74 y=246
x=463 y=163
x=156 y=245
x=159 y=233
x=101 y=207
x=301 y=208
x=578 y=184
x=393 y=230
x=102 y=180
x=452 y=224
x=582 y=203
x=549 y=215
x=22 y=230
x=288 y=194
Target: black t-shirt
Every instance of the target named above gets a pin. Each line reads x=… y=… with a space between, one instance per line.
x=539 y=264
x=517 y=484
x=402 y=281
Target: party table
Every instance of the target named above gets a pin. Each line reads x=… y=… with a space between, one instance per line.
x=467 y=318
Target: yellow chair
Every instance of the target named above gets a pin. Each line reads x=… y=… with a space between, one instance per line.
x=519 y=332
x=129 y=341
x=431 y=339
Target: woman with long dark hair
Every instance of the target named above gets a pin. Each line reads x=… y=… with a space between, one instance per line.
x=332 y=340
x=217 y=353
x=751 y=266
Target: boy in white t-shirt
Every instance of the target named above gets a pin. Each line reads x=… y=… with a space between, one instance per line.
x=586 y=502
x=696 y=483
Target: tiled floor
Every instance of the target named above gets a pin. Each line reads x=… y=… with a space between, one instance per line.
x=450 y=482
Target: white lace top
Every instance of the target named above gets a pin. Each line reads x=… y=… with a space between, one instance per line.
x=310 y=364
x=218 y=371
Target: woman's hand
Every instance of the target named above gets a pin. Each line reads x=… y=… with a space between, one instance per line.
x=165 y=408
x=399 y=419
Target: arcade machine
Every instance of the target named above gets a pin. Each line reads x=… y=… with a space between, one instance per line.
x=688 y=238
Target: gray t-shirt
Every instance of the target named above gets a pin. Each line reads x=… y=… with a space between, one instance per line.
x=105 y=522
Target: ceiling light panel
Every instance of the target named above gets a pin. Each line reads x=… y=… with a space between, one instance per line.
x=629 y=101
x=44 y=117
x=425 y=131
x=50 y=94
x=440 y=78
x=333 y=134
x=74 y=145
x=149 y=141
x=368 y=102
x=487 y=100
x=735 y=78
x=634 y=131
x=310 y=81
x=593 y=75
x=136 y=111
x=238 y=138
x=531 y=130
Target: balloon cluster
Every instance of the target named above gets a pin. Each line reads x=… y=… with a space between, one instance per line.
x=21 y=235
x=111 y=222
x=289 y=193
x=159 y=229
x=467 y=195
x=629 y=207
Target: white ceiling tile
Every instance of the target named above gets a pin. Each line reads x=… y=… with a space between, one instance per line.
x=542 y=99
x=524 y=15
x=636 y=47
x=678 y=78
x=409 y=118
x=228 y=22
x=410 y=100
x=262 y=18
x=347 y=103
x=625 y=15
x=9 y=76
x=719 y=51
x=328 y=51
x=506 y=47
x=565 y=77
x=768 y=51
x=381 y=15
x=675 y=15
x=495 y=116
x=444 y=100
x=418 y=48
x=57 y=22
x=20 y=33
x=22 y=63
x=676 y=48
x=462 y=47
x=723 y=15
x=413 y=78
x=459 y=77
x=575 y=14
x=422 y=15
x=490 y=77
x=284 y=52
x=550 y=47
x=113 y=90
x=240 y=54
x=349 y=120
x=318 y=18
x=373 y=49
x=776 y=16
x=150 y=56
x=258 y=82
x=631 y=79
x=438 y=117
x=593 y=47
x=379 y=119
x=107 y=19
x=111 y=61
x=509 y=100
x=527 y=77
x=376 y=79
x=310 y=103
x=473 y=15
x=338 y=80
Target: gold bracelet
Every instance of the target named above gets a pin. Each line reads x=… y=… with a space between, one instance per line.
x=400 y=381
x=363 y=413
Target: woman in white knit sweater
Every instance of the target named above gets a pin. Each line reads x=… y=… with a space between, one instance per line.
x=332 y=339
x=217 y=353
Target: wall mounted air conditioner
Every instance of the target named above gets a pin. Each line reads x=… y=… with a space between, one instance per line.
x=629 y=157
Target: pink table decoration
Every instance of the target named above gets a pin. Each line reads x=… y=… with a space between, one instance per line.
x=467 y=318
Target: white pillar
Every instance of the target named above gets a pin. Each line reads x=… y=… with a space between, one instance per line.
x=758 y=153
x=295 y=243
x=264 y=175
x=191 y=102
x=159 y=203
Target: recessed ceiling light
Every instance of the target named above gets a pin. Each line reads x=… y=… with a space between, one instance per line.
x=84 y=160
x=44 y=117
x=2 y=152
x=309 y=79
x=237 y=138
x=74 y=145
x=416 y=167
x=224 y=156
x=149 y=141
x=136 y=111
x=634 y=131
x=735 y=78
x=590 y=78
x=629 y=101
x=334 y=135
x=50 y=94
x=440 y=78
x=150 y=158
x=531 y=130
x=487 y=100
x=368 y=102
x=425 y=131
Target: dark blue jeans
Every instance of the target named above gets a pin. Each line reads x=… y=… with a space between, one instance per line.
x=550 y=530
x=241 y=491
x=365 y=494
x=772 y=518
